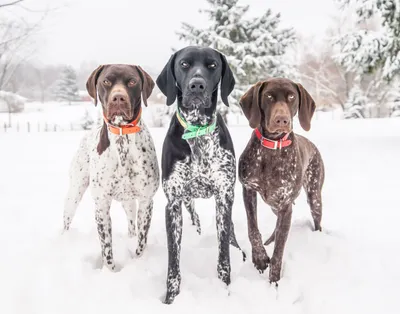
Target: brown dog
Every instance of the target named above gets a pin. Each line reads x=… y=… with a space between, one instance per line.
x=276 y=163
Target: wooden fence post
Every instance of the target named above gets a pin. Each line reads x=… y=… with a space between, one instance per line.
x=45 y=126
x=28 y=126
x=17 y=126
x=5 y=127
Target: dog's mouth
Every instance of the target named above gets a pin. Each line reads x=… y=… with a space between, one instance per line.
x=196 y=102
x=278 y=132
x=119 y=118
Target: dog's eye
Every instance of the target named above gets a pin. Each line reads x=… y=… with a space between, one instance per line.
x=107 y=82
x=212 y=65
x=291 y=97
x=269 y=96
x=184 y=64
x=131 y=83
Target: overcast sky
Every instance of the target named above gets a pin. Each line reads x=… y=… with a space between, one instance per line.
x=143 y=31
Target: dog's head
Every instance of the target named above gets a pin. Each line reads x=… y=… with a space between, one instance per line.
x=273 y=103
x=119 y=88
x=192 y=75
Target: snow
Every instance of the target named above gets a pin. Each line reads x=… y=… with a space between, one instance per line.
x=350 y=267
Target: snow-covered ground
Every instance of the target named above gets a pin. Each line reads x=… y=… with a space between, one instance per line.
x=351 y=267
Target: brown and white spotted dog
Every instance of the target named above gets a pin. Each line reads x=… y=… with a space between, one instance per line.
x=118 y=161
x=277 y=162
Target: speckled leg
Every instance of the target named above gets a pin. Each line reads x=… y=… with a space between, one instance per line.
x=173 y=220
x=103 y=221
x=281 y=234
x=145 y=214
x=224 y=201
x=313 y=182
x=130 y=210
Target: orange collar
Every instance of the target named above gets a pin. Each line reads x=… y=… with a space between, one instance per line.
x=126 y=128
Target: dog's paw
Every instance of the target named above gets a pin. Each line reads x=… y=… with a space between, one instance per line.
x=274 y=272
x=260 y=259
x=140 y=250
x=132 y=232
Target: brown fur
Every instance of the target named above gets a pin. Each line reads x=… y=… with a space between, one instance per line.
x=278 y=175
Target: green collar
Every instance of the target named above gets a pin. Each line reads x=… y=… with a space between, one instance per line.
x=192 y=131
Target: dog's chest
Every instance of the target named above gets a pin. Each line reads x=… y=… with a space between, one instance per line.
x=208 y=167
x=276 y=175
x=127 y=169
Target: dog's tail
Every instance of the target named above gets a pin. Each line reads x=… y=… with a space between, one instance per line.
x=234 y=243
x=270 y=239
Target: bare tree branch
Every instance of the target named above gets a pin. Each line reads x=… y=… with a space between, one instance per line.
x=3 y=5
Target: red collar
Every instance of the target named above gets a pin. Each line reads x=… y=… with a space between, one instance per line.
x=271 y=144
x=126 y=128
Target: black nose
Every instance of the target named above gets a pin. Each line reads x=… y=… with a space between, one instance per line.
x=119 y=99
x=281 y=120
x=197 y=85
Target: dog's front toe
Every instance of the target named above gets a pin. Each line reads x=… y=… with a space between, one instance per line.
x=274 y=272
x=260 y=259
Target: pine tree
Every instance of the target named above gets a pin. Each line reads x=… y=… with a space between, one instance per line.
x=355 y=108
x=366 y=50
x=67 y=88
x=395 y=103
x=372 y=54
x=255 y=47
x=87 y=121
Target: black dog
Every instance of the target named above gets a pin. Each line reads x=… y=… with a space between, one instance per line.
x=198 y=159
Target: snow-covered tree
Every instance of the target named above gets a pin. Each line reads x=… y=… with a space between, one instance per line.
x=395 y=102
x=254 y=47
x=356 y=105
x=371 y=50
x=87 y=121
x=67 y=88
x=365 y=50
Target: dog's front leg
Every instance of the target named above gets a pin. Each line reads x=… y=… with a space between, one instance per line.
x=260 y=257
x=281 y=235
x=103 y=221
x=145 y=214
x=173 y=221
x=224 y=201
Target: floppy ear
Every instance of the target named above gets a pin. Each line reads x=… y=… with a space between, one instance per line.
x=166 y=81
x=250 y=103
x=227 y=80
x=306 y=108
x=147 y=84
x=92 y=82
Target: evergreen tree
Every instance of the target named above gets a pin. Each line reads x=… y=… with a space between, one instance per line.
x=254 y=47
x=372 y=54
x=67 y=88
x=355 y=108
x=395 y=105
x=366 y=50
x=87 y=121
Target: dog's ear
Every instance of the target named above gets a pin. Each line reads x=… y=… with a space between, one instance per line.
x=250 y=104
x=166 y=81
x=147 y=84
x=227 y=80
x=92 y=83
x=306 y=107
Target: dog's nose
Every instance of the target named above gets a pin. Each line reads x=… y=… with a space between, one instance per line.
x=119 y=99
x=281 y=121
x=197 y=85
